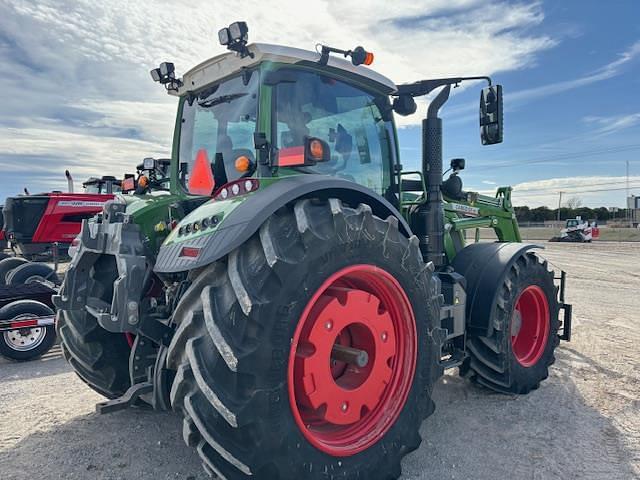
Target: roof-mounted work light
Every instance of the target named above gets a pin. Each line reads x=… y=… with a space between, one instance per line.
x=235 y=38
x=165 y=75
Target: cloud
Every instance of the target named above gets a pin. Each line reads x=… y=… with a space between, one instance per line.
x=462 y=113
x=76 y=88
x=594 y=191
x=605 y=72
x=612 y=124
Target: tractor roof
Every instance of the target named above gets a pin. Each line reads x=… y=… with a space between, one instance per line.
x=228 y=63
x=94 y=180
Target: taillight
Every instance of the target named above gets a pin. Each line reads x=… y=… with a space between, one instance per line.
x=190 y=252
x=237 y=188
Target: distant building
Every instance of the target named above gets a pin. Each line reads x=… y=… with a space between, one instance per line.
x=633 y=204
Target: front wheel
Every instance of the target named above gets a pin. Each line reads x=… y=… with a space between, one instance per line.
x=100 y=358
x=308 y=352
x=516 y=356
x=27 y=343
x=7 y=265
x=32 y=272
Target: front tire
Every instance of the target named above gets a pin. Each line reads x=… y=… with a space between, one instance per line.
x=26 y=343
x=100 y=358
x=7 y=265
x=242 y=344
x=32 y=272
x=516 y=356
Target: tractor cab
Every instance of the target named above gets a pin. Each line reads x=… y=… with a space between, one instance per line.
x=101 y=185
x=573 y=222
x=268 y=111
x=152 y=175
x=279 y=112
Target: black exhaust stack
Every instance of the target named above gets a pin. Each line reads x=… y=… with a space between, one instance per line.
x=430 y=222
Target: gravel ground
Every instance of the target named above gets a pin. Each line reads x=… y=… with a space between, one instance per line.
x=583 y=423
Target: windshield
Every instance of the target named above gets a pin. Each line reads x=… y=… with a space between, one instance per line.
x=101 y=187
x=220 y=121
x=347 y=118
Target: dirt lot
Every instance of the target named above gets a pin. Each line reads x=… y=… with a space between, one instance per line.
x=583 y=423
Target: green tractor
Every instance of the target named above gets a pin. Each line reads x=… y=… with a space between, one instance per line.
x=290 y=290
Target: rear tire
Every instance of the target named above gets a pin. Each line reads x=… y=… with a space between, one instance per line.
x=32 y=272
x=100 y=358
x=9 y=264
x=232 y=350
x=516 y=357
x=26 y=343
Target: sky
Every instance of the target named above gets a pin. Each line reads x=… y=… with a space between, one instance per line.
x=76 y=92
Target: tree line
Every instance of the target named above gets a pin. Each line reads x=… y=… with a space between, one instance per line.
x=542 y=214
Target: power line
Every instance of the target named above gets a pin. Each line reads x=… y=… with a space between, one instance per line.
x=562 y=156
x=574 y=192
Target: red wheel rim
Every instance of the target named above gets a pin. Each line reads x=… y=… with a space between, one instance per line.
x=530 y=326
x=342 y=408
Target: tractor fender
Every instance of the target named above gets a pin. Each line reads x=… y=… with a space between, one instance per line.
x=246 y=219
x=485 y=267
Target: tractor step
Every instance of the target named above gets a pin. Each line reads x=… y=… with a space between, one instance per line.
x=127 y=400
x=453 y=360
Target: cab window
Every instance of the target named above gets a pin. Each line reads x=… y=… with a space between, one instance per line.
x=346 y=117
x=220 y=120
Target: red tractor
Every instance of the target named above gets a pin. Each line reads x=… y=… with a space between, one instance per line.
x=3 y=239
x=34 y=224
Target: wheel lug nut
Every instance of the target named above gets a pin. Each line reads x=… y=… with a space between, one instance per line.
x=344 y=407
x=384 y=336
x=328 y=325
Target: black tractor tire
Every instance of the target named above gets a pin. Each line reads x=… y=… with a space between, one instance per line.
x=100 y=358
x=492 y=360
x=3 y=255
x=235 y=327
x=26 y=343
x=8 y=264
x=32 y=272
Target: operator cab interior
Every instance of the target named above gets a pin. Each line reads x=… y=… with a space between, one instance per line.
x=347 y=118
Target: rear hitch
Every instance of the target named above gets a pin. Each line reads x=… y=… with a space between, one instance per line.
x=127 y=400
x=150 y=379
x=565 y=333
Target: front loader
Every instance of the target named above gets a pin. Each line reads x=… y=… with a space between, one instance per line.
x=296 y=293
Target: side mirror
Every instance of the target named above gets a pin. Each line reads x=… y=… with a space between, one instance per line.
x=491 y=119
x=404 y=105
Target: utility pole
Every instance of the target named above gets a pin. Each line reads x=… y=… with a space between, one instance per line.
x=628 y=210
x=559 y=204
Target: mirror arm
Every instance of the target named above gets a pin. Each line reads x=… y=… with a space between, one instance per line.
x=423 y=87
